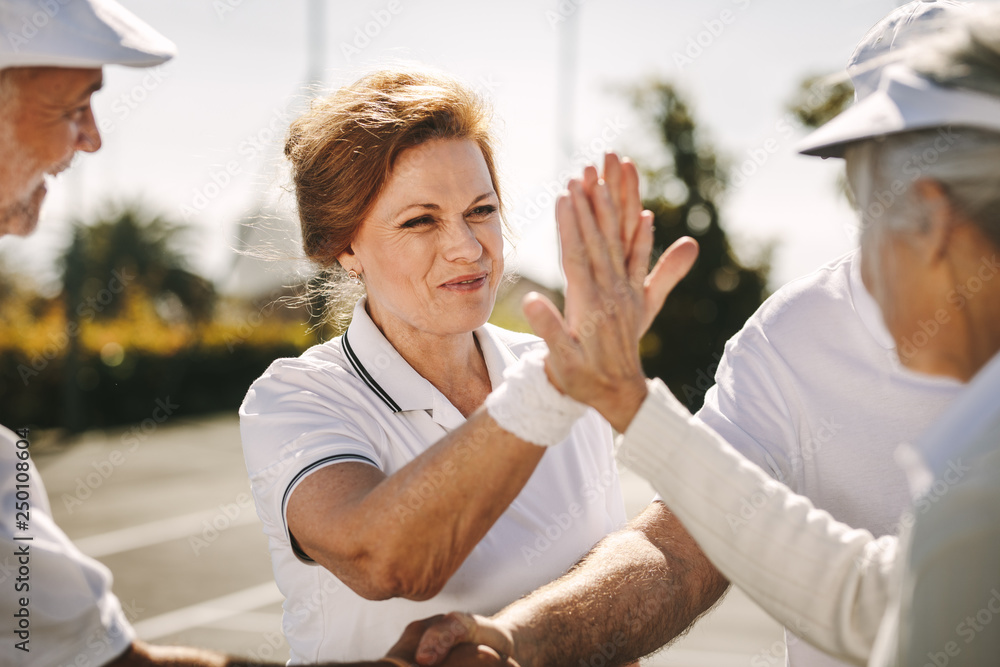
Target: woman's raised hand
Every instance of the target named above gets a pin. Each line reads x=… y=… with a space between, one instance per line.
x=611 y=296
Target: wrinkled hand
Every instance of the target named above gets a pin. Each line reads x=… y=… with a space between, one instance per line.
x=459 y=631
x=611 y=296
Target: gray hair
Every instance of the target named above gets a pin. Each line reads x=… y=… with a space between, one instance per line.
x=881 y=172
x=965 y=162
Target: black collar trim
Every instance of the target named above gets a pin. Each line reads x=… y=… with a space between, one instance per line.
x=366 y=376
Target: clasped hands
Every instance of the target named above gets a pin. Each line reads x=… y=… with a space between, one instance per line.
x=612 y=298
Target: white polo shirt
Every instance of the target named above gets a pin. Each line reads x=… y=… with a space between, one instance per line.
x=70 y=615
x=354 y=398
x=812 y=391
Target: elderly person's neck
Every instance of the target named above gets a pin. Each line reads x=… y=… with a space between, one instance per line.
x=453 y=363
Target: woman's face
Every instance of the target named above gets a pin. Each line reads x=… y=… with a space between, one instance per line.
x=431 y=250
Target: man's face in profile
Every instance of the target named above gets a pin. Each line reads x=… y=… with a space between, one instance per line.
x=45 y=117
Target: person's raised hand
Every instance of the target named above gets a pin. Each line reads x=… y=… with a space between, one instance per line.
x=447 y=638
x=611 y=297
x=622 y=179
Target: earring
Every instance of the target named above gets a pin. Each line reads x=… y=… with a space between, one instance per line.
x=353 y=276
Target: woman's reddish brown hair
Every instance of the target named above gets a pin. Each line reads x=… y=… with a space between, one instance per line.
x=343 y=149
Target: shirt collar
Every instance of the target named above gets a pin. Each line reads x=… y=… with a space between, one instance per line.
x=394 y=381
x=866 y=307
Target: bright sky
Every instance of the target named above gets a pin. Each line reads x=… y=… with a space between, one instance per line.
x=199 y=139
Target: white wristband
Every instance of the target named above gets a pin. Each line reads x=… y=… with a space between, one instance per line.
x=528 y=406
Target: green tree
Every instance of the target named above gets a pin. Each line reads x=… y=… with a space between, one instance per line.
x=138 y=249
x=686 y=341
x=128 y=255
x=821 y=98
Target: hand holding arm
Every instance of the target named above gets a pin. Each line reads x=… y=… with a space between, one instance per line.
x=637 y=590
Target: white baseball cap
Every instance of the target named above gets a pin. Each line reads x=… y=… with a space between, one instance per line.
x=905 y=99
x=904 y=102
x=77 y=33
x=888 y=38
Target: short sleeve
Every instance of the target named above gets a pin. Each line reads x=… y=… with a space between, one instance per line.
x=71 y=615
x=747 y=406
x=296 y=419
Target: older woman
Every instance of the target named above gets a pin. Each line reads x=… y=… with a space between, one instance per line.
x=386 y=492
x=923 y=162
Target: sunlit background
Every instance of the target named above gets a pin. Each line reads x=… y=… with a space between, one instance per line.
x=200 y=138
x=197 y=145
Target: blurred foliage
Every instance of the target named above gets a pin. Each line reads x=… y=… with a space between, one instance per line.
x=820 y=99
x=686 y=341
x=507 y=312
x=132 y=325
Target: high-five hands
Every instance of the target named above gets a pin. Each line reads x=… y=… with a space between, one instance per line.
x=611 y=296
x=611 y=299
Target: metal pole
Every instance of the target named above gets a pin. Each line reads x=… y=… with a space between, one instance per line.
x=316 y=44
x=567 y=88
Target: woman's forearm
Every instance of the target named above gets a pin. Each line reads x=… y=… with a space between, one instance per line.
x=406 y=534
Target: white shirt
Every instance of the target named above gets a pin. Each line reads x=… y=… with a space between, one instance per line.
x=840 y=584
x=946 y=607
x=812 y=391
x=354 y=398
x=73 y=617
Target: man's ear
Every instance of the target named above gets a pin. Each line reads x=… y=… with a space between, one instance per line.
x=941 y=218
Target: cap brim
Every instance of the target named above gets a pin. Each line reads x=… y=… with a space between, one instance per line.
x=83 y=33
x=905 y=102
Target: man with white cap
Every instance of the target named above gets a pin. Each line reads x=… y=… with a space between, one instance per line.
x=932 y=595
x=811 y=390
x=57 y=602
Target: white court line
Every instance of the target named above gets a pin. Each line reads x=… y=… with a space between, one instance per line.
x=250 y=621
x=210 y=611
x=696 y=658
x=164 y=530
